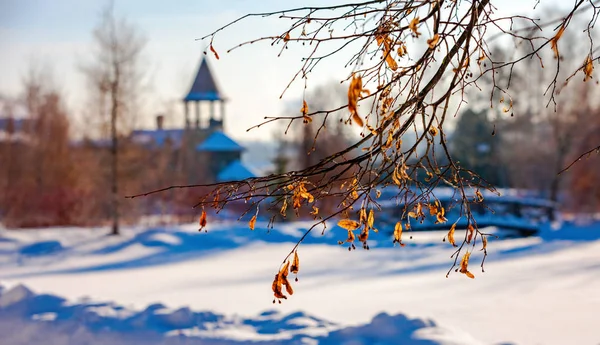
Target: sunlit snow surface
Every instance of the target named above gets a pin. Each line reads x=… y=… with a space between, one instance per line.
x=169 y=284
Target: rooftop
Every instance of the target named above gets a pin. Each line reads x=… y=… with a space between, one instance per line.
x=204 y=87
x=219 y=142
x=236 y=171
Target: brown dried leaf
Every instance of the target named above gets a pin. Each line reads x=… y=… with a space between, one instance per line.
x=479 y=196
x=554 y=40
x=433 y=209
x=288 y=287
x=351 y=236
x=398 y=233
x=362 y=216
x=348 y=224
x=283 y=272
x=463 y=265
x=432 y=42
x=471 y=231
x=202 y=220
x=358 y=120
x=451 y=235
x=588 y=68
x=304 y=111
x=413 y=26
x=277 y=286
x=440 y=219
x=295 y=263
x=371 y=219
x=388 y=142
x=252 y=222
x=283 y=208
x=355 y=90
x=364 y=235
x=212 y=49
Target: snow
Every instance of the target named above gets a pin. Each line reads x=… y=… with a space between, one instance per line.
x=152 y=285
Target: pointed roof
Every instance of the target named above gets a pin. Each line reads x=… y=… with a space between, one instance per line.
x=204 y=87
x=236 y=171
x=219 y=142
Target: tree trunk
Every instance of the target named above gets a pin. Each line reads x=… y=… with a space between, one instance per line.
x=114 y=155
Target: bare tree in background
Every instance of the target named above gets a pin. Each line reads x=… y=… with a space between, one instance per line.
x=116 y=77
x=412 y=64
x=39 y=178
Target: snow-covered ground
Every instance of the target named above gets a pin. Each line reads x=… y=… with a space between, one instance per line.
x=176 y=285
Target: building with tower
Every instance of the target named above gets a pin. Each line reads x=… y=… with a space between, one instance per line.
x=201 y=150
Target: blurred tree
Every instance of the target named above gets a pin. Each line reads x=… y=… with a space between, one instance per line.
x=116 y=77
x=474 y=145
x=40 y=179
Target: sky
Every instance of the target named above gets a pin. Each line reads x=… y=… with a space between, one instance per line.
x=57 y=34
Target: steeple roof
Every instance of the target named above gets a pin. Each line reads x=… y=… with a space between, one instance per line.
x=204 y=87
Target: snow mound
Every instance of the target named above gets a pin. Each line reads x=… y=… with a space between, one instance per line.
x=49 y=319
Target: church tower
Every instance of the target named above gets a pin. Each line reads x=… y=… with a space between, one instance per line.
x=204 y=90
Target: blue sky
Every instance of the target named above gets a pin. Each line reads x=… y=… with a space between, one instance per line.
x=57 y=34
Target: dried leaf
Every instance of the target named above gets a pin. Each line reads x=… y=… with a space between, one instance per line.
x=471 y=231
x=212 y=49
x=433 y=209
x=364 y=236
x=351 y=236
x=304 y=111
x=315 y=211
x=288 y=287
x=358 y=120
x=451 y=235
x=388 y=142
x=588 y=68
x=401 y=49
x=484 y=241
x=362 y=216
x=554 y=40
x=283 y=208
x=479 y=196
x=463 y=265
x=348 y=224
x=398 y=233
x=295 y=263
x=286 y=37
x=202 y=220
x=307 y=196
x=283 y=272
x=371 y=219
x=355 y=90
x=277 y=286
x=432 y=42
x=433 y=130
x=252 y=222
x=440 y=219
x=413 y=26
x=392 y=64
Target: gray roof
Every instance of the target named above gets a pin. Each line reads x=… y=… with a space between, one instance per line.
x=204 y=87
